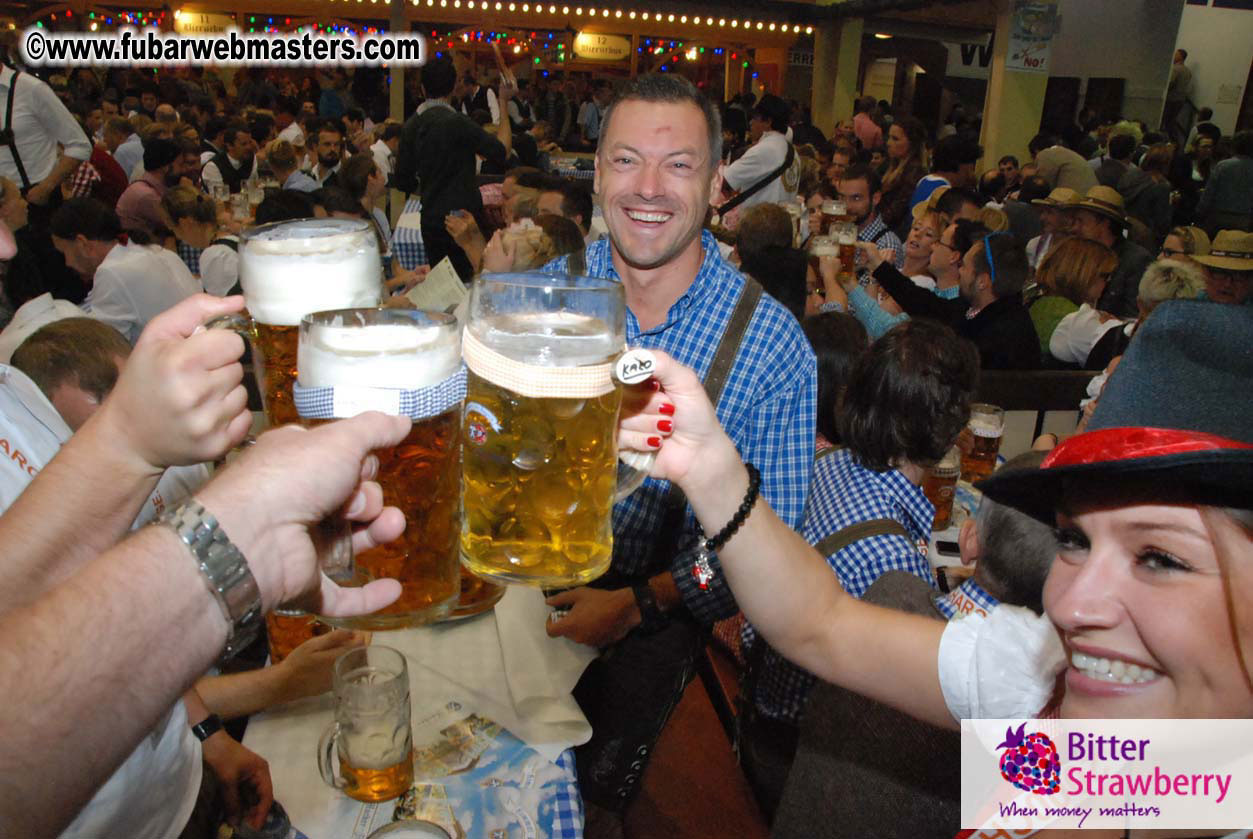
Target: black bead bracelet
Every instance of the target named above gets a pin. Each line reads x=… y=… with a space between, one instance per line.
x=741 y=515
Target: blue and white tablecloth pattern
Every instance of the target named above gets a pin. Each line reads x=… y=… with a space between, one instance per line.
x=407 y=244
x=568 y=820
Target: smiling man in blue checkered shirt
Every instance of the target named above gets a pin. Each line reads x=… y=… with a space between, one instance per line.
x=904 y=404
x=656 y=168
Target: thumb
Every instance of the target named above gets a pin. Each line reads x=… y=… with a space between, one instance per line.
x=184 y=319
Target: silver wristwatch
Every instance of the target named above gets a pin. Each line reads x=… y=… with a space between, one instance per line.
x=225 y=570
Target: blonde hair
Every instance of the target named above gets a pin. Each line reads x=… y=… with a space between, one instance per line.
x=1169 y=279
x=938 y=220
x=182 y=202
x=1072 y=267
x=993 y=219
x=282 y=154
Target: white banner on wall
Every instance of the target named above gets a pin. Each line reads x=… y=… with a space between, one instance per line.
x=1032 y=26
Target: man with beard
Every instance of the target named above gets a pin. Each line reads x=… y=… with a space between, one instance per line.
x=330 y=150
x=859 y=190
x=236 y=163
x=139 y=207
x=656 y=167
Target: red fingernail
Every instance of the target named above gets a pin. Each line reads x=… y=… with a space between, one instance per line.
x=654 y=442
x=654 y=384
x=665 y=425
x=667 y=409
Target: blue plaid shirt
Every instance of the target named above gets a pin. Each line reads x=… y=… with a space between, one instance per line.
x=968 y=598
x=768 y=408
x=845 y=493
x=876 y=231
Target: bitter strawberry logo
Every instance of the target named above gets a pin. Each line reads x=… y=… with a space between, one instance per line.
x=1030 y=762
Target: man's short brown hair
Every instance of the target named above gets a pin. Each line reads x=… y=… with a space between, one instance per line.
x=78 y=351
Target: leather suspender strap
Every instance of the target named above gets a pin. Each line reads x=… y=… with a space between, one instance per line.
x=760 y=185
x=844 y=537
x=11 y=138
x=715 y=380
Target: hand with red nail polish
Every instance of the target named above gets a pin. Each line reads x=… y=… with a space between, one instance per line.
x=665 y=425
x=667 y=409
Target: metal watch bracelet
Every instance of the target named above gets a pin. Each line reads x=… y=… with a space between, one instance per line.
x=225 y=571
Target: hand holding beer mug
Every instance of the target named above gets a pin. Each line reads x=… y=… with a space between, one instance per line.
x=398 y=361
x=540 y=458
x=371 y=735
x=987 y=423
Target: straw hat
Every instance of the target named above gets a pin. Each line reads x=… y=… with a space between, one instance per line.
x=1062 y=196
x=924 y=207
x=1195 y=240
x=1188 y=432
x=1104 y=201
x=1231 y=251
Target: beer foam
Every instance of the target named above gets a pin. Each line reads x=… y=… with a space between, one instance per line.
x=986 y=428
x=291 y=269
x=556 y=339
x=391 y=355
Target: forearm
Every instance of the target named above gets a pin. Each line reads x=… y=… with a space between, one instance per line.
x=787 y=591
x=871 y=314
x=241 y=694
x=87 y=646
x=64 y=167
x=78 y=506
x=913 y=299
x=504 y=133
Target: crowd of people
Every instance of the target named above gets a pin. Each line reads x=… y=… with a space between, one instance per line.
x=123 y=199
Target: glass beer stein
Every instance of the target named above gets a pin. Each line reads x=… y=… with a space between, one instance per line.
x=371 y=735
x=540 y=459
x=287 y=270
x=399 y=361
x=987 y=422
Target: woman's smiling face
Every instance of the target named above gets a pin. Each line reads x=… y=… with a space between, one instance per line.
x=1141 y=603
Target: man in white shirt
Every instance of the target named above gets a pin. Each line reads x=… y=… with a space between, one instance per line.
x=285 y=121
x=49 y=141
x=131 y=284
x=475 y=97
x=385 y=147
x=329 y=151
x=236 y=163
x=770 y=149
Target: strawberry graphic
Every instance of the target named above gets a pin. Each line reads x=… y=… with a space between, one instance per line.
x=1030 y=762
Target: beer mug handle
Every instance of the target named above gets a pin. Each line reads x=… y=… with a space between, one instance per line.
x=241 y=324
x=326 y=756
x=633 y=468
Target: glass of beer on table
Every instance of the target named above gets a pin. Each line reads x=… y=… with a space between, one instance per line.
x=370 y=742
x=540 y=458
x=287 y=270
x=940 y=485
x=398 y=361
x=987 y=424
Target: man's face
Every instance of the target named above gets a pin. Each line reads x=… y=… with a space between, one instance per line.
x=109 y=109
x=354 y=126
x=330 y=147
x=1010 y=171
x=943 y=255
x=857 y=199
x=508 y=187
x=1178 y=56
x=967 y=277
x=1089 y=225
x=550 y=202
x=76 y=255
x=95 y=118
x=654 y=177
x=1223 y=286
x=241 y=145
x=839 y=162
x=186 y=166
x=757 y=126
x=148 y=101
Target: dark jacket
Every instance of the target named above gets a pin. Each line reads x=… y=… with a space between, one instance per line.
x=436 y=157
x=1002 y=331
x=1123 y=288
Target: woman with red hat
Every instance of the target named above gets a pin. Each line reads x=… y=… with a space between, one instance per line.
x=1145 y=607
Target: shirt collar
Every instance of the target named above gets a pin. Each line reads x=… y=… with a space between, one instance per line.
x=918 y=512
x=967 y=598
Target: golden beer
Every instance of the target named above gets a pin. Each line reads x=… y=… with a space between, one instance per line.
x=274 y=360
x=374 y=354
x=287 y=630
x=370 y=742
x=368 y=784
x=540 y=477
x=940 y=486
x=987 y=423
x=477 y=595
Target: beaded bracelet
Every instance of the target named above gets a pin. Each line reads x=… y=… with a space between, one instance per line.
x=701 y=569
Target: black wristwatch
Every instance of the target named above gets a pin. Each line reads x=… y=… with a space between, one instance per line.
x=651 y=616
x=207 y=727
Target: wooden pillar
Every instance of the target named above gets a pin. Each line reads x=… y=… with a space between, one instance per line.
x=837 y=61
x=1014 y=102
x=733 y=80
x=396 y=99
x=635 y=54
